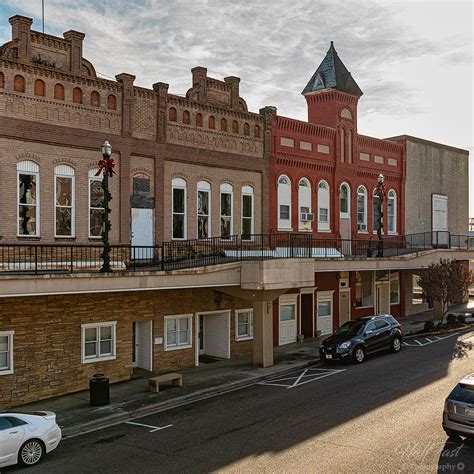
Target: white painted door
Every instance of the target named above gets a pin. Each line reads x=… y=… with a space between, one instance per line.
x=143 y=224
x=216 y=333
x=324 y=321
x=382 y=298
x=344 y=306
x=143 y=350
x=287 y=323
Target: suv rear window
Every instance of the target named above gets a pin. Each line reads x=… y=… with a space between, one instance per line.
x=462 y=393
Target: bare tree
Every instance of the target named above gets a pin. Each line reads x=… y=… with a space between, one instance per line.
x=445 y=282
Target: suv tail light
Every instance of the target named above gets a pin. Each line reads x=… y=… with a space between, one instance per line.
x=401 y=327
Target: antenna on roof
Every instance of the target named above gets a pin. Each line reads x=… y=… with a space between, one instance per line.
x=42 y=11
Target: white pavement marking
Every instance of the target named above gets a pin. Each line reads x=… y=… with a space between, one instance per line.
x=153 y=428
x=422 y=344
x=297 y=378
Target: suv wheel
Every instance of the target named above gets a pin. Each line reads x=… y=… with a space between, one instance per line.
x=359 y=355
x=396 y=344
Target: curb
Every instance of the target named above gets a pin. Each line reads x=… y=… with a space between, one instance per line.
x=203 y=394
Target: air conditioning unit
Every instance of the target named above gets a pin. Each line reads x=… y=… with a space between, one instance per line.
x=307 y=216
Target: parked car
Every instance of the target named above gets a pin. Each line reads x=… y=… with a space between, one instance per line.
x=458 y=414
x=357 y=338
x=26 y=438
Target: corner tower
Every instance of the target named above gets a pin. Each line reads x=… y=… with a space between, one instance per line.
x=332 y=94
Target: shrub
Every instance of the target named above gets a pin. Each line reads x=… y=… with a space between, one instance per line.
x=429 y=326
x=451 y=319
x=461 y=319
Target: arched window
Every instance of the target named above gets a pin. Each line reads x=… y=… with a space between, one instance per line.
x=203 y=210
x=40 y=88
x=59 y=91
x=28 y=198
x=95 y=99
x=392 y=211
x=223 y=125
x=112 y=102
x=304 y=205
x=2 y=80
x=19 y=84
x=186 y=117
x=178 y=207
x=246 y=129
x=257 y=131
x=226 y=210
x=198 y=120
x=341 y=133
x=172 y=115
x=284 y=202
x=77 y=95
x=362 y=209
x=344 y=201
x=235 y=126
x=64 y=201
x=211 y=122
x=96 y=203
x=375 y=211
x=247 y=213
x=323 y=207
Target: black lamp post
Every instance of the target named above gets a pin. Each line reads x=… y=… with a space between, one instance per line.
x=380 y=191
x=106 y=166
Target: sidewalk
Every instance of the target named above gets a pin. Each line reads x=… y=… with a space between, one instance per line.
x=131 y=398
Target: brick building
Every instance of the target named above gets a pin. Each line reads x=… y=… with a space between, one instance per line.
x=207 y=177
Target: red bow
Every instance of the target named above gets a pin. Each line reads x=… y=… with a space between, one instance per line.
x=380 y=190
x=107 y=166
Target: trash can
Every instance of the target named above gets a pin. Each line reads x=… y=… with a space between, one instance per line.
x=99 y=390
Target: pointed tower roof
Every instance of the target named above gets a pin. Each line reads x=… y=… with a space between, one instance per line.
x=332 y=74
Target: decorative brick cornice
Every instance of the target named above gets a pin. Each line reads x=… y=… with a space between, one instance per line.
x=304 y=128
x=371 y=144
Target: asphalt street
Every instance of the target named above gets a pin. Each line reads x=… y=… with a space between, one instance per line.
x=381 y=416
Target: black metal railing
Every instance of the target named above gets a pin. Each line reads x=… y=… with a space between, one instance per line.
x=181 y=254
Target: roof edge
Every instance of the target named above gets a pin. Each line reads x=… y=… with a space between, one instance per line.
x=428 y=142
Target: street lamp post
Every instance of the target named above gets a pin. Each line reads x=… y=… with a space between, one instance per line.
x=380 y=191
x=106 y=166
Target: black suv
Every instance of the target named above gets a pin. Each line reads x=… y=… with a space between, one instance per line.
x=355 y=339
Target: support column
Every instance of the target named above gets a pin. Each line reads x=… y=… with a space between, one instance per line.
x=262 y=333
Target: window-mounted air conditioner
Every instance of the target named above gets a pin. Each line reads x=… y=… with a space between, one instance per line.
x=307 y=216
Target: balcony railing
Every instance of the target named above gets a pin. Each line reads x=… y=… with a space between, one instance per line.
x=175 y=255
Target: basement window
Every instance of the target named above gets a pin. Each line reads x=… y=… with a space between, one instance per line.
x=244 y=324
x=178 y=332
x=98 y=341
x=6 y=352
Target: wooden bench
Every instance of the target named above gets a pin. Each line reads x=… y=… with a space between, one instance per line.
x=154 y=382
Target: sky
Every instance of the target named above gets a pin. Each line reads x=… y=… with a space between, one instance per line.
x=412 y=59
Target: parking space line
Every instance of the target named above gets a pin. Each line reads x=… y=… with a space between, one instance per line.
x=153 y=428
x=300 y=377
x=427 y=341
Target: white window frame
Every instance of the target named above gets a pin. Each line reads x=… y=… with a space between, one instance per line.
x=362 y=193
x=284 y=224
x=179 y=183
x=249 y=335
x=302 y=198
x=345 y=215
x=248 y=191
x=392 y=196
x=66 y=171
x=226 y=188
x=97 y=327
x=178 y=345
x=92 y=177
x=324 y=226
x=324 y=297
x=8 y=370
x=204 y=187
x=29 y=168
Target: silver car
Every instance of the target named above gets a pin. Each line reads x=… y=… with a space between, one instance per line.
x=458 y=415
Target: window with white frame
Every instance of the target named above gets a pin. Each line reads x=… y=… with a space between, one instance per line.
x=98 y=341
x=362 y=209
x=392 y=212
x=394 y=287
x=96 y=203
x=178 y=332
x=323 y=207
x=375 y=211
x=178 y=205
x=304 y=204
x=6 y=352
x=247 y=213
x=324 y=303
x=226 y=210
x=28 y=198
x=203 y=209
x=284 y=203
x=64 y=201
x=243 y=324
x=344 y=200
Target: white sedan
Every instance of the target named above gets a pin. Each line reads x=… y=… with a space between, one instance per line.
x=25 y=438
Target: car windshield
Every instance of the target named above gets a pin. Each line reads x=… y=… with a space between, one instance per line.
x=350 y=328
